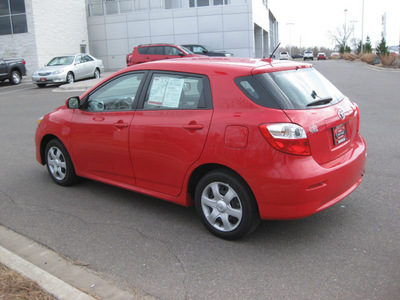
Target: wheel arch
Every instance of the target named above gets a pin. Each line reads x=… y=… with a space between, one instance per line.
x=200 y=171
x=45 y=140
x=15 y=69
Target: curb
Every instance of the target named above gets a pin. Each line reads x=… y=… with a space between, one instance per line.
x=63 y=278
x=51 y=284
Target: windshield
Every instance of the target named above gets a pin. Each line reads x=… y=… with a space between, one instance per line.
x=186 y=50
x=300 y=89
x=61 y=61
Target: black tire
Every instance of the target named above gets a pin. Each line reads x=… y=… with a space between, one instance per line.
x=59 y=163
x=96 y=73
x=235 y=214
x=15 y=77
x=41 y=85
x=70 y=78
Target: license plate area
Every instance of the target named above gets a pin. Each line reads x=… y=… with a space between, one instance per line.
x=42 y=79
x=339 y=134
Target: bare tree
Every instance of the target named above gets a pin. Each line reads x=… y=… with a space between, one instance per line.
x=341 y=35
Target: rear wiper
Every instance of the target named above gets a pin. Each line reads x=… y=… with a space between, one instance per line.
x=321 y=101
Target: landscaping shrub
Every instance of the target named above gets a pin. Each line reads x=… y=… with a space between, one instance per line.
x=387 y=60
x=349 y=56
x=368 y=57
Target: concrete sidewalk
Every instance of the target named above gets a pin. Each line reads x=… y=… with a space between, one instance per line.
x=63 y=278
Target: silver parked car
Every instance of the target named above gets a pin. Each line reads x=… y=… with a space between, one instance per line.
x=67 y=69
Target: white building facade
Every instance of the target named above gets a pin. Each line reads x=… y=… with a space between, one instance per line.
x=38 y=30
x=245 y=28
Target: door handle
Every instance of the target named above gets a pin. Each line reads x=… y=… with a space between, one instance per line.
x=193 y=127
x=120 y=124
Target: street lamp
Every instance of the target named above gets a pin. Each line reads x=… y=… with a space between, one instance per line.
x=354 y=40
x=362 y=29
x=290 y=38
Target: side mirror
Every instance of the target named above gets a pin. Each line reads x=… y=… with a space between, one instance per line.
x=73 y=102
x=205 y=51
x=181 y=54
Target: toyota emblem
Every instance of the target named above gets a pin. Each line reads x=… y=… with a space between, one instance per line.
x=341 y=114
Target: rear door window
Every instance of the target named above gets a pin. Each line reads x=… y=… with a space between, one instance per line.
x=177 y=91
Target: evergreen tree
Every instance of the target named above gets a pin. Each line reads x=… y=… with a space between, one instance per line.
x=382 y=48
x=368 y=46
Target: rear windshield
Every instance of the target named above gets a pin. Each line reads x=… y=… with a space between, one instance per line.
x=294 y=89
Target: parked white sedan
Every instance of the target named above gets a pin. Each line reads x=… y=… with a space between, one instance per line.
x=67 y=69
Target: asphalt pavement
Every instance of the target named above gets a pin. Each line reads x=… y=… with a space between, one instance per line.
x=50 y=269
x=350 y=251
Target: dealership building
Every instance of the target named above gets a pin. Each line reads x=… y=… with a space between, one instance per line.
x=38 y=30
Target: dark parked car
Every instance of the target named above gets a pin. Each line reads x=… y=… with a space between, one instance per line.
x=152 y=52
x=12 y=69
x=241 y=139
x=297 y=56
x=204 y=50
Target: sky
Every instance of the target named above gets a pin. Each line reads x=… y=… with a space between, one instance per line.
x=311 y=20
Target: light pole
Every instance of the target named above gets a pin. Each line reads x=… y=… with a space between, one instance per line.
x=362 y=29
x=354 y=40
x=290 y=38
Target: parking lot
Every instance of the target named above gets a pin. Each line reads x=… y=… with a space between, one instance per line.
x=152 y=247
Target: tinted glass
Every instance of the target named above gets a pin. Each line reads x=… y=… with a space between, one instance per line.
x=302 y=87
x=157 y=50
x=17 y=6
x=19 y=24
x=143 y=50
x=255 y=91
x=4 y=9
x=5 y=25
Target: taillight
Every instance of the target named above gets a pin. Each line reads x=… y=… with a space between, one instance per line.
x=357 y=115
x=287 y=137
x=24 y=62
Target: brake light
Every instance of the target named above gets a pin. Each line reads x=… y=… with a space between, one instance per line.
x=287 y=137
x=357 y=115
x=24 y=62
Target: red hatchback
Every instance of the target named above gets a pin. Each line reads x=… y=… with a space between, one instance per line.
x=241 y=139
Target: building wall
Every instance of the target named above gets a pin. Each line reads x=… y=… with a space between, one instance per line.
x=54 y=28
x=223 y=27
x=60 y=28
x=22 y=45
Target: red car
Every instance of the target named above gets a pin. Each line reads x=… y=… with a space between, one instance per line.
x=152 y=52
x=241 y=139
x=321 y=56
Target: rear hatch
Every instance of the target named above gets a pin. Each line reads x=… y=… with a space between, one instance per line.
x=329 y=119
x=331 y=131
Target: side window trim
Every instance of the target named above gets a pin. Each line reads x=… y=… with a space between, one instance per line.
x=147 y=83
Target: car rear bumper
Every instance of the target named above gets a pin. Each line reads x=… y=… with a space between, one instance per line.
x=295 y=187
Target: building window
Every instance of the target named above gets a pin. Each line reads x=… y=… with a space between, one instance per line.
x=12 y=17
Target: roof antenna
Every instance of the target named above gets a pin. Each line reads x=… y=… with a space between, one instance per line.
x=274 y=50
